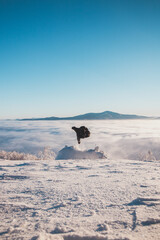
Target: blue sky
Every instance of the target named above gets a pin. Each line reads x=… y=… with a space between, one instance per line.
x=68 y=57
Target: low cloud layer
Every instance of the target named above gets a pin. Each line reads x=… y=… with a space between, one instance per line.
x=117 y=138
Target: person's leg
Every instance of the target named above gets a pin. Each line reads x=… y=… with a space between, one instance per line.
x=78 y=139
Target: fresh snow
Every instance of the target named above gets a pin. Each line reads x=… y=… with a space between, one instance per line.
x=80 y=199
x=75 y=153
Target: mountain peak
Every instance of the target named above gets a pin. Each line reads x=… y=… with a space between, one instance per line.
x=91 y=116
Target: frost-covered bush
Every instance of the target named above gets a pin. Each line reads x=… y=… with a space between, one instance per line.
x=46 y=154
x=16 y=156
x=147 y=156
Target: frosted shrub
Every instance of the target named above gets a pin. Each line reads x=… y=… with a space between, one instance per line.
x=148 y=156
x=16 y=156
x=3 y=155
x=46 y=154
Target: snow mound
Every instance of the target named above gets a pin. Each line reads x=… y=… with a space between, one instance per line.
x=74 y=153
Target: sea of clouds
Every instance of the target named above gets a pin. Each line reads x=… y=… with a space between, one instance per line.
x=131 y=139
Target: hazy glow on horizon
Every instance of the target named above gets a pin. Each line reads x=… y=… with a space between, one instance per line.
x=64 y=58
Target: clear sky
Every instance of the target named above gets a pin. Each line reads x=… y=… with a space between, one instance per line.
x=69 y=57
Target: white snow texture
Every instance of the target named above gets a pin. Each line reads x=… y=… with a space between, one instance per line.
x=74 y=153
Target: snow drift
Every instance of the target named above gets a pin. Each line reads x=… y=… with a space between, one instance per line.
x=73 y=153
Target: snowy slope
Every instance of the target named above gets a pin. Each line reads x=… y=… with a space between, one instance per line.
x=80 y=199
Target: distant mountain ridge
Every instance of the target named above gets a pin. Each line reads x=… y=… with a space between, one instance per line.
x=90 y=116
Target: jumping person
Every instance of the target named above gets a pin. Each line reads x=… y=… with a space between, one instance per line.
x=81 y=132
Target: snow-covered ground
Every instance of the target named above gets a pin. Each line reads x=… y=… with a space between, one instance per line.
x=80 y=199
